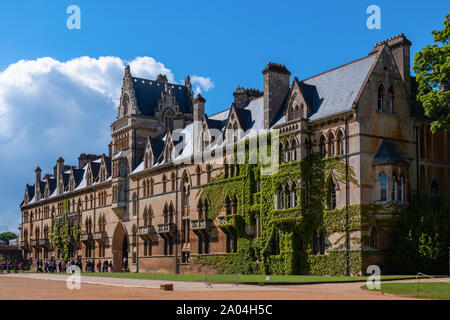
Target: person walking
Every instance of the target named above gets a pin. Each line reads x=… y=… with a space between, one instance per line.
x=111 y=266
x=99 y=266
x=105 y=266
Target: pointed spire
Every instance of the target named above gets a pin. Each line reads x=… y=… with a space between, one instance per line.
x=127 y=71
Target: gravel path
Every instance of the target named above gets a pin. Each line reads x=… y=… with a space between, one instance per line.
x=28 y=286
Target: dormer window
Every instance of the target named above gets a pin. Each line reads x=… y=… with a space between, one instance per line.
x=168 y=120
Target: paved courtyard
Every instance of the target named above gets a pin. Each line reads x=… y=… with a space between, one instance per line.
x=30 y=286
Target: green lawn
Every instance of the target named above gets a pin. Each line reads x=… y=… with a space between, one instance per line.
x=242 y=278
x=431 y=290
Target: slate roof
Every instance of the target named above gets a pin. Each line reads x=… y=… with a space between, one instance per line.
x=148 y=92
x=387 y=154
x=335 y=91
x=157 y=145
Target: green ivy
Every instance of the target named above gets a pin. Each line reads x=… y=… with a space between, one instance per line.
x=255 y=255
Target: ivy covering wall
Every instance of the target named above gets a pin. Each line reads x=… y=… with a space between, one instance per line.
x=63 y=235
x=291 y=228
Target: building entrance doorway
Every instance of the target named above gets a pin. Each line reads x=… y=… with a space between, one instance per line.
x=120 y=248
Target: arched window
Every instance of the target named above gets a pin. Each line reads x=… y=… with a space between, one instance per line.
x=394 y=188
x=331 y=144
x=340 y=143
x=302 y=111
x=291 y=113
x=434 y=188
x=293 y=150
x=383 y=187
x=380 y=98
x=168 y=120
x=172 y=180
x=323 y=147
x=287 y=153
x=391 y=100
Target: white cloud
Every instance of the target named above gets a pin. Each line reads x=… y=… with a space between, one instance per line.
x=50 y=108
x=201 y=84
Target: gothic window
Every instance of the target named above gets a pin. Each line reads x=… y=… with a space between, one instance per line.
x=331 y=144
x=172 y=180
x=391 y=100
x=383 y=187
x=332 y=196
x=340 y=143
x=293 y=150
x=394 y=188
x=168 y=120
x=151 y=186
x=302 y=111
x=287 y=195
x=323 y=147
x=380 y=98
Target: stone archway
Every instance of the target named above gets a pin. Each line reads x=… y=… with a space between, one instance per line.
x=120 y=247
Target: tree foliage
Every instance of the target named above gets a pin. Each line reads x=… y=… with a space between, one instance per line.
x=432 y=68
x=6 y=236
x=422 y=237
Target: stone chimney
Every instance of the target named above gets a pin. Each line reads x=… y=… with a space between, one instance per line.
x=240 y=97
x=59 y=175
x=400 y=49
x=37 y=182
x=276 y=86
x=199 y=112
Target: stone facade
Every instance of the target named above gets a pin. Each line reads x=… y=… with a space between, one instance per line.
x=141 y=203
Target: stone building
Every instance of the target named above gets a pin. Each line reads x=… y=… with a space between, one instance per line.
x=145 y=200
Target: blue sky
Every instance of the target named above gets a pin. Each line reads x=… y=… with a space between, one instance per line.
x=49 y=108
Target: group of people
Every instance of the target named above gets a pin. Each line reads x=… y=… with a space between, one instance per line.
x=101 y=267
x=9 y=266
x=50 y=266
